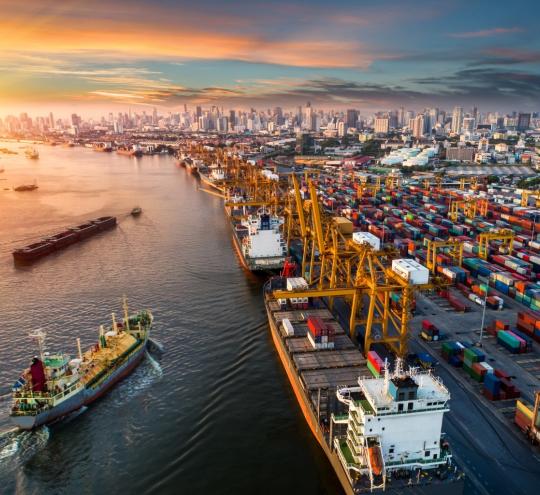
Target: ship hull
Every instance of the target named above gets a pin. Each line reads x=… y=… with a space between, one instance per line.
x=84 y=397
x=303 y=402
x=209 y=182
x=71 y=236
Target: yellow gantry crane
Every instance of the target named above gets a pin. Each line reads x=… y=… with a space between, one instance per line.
x=336 y=266
x=504 y=235
x=526 y=194
x=470 y=206
x=452 y=248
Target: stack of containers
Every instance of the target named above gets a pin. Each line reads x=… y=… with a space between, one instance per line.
x=492 y=386
x=511 y=342
x=529 y=323
x=374 y=364
x=451 y=352
x=296 y=284
x=320 y=335
x=472 y=356
x=429 y=331
x=508 y=389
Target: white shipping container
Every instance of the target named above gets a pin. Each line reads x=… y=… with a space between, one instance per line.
x=367 y=238
x=411 y=271
x=287 y=326
x=296 y=283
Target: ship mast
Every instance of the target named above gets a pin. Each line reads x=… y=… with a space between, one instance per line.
x=39 y=336
x=126 y=313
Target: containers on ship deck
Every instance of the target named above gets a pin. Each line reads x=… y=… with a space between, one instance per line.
x=320 y=334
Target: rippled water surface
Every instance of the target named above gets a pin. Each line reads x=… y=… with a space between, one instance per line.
x=214 y=412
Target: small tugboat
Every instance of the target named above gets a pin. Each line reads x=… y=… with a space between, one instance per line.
x=136 y=211
x=32 y=153
x=55 y=385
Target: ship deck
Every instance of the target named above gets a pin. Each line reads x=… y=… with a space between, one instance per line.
x=319 y=370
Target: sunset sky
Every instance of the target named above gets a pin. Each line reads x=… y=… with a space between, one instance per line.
x=97 y=54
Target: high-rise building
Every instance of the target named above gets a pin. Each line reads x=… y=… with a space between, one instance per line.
x=382 y=125
x=341 y=128
x=524 y=121
x=418 y=126
x=468 y=124
x=198 y=112
x=457 y=118
x=352 y=118
x=308 y=112
x=401 y=117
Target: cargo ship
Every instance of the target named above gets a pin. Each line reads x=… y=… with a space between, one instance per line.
x=127 y=150
x=379 y=430
x=106 y=147
x=26 y=187
x=212 y=176
x=63 y=239
x=257 y=238
x=55 y=385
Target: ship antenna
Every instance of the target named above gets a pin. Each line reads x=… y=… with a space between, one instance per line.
x=115 y=328
x=39 y=335
x=126 y=313
x=386 y=375
x=398 y=369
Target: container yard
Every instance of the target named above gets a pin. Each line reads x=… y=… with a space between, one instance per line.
x=441 y=274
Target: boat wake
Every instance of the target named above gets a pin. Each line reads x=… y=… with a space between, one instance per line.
x=154 y=346
x=148 y=372
x=17 y=447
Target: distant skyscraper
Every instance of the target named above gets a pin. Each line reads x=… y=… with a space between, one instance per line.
x=198 y=112
x=308 y=112
x=457 y=118
x=524 y=121
x=382 y=125
x=469 y=124
x=419 y=124
x=401 y=117
x=352 y=118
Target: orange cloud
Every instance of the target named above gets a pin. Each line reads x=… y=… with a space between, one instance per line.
x=139 y=40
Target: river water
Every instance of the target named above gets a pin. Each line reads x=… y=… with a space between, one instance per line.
x=212 y=413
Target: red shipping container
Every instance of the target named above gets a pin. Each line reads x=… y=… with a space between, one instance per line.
x=316 y=326
x=502 y=374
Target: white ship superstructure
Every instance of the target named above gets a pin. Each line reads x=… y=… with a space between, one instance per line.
x=393 y=424
x=263 y=244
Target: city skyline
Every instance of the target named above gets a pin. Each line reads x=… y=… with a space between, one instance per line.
x=68 y=56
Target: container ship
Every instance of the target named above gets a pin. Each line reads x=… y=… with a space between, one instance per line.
x=257 y=238
x=127 y=150
x=55 y=385
x=379 y=430
x=106 y=147
x=63 y=239
x=26 y=187
x=212 y=176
